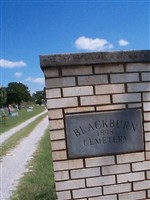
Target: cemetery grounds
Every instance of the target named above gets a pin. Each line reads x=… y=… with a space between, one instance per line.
x=38 y=182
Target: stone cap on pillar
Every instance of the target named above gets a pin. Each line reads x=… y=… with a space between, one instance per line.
x=94 y=58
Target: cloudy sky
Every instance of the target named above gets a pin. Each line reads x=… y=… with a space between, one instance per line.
x=30 y=28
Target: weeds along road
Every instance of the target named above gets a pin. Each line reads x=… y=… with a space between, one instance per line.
x=14 y=165
x=9 y=133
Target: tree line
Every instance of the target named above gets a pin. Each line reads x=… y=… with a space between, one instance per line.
x=16 y=93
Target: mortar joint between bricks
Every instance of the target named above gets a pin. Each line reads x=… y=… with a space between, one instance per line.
x=71 y=194
x=76 y=81
x=60 y=71
x=126 y=87
x=147 y=196
x=79 y=101
x=124 y=67
x=94 y=90
x=93 y=69
x=132 y=188
x=145 y=175
x=109 y=79
x=111 y=99
x=140 y=77
x=117 y=196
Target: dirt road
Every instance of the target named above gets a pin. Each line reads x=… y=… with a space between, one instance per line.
x=13 y=165
x=9 y=133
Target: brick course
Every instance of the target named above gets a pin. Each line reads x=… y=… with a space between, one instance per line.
x=130 y=177
x=133 y=195
x=124 y=78
x=77 y=91
x=95 y=100
x=72 y=184
x=109 y=89
x=88 y=192
x=85 y=173
x=119 y=188
x=132 y=157
x=116 y=169
x=125 y=98
x=62 y=103
x=100 y=181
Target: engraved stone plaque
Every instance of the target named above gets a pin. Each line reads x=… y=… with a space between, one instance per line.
x=104 y=133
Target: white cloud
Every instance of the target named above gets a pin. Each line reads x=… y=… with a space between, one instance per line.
x=18 y=74
x=123 y=42
x=85 y=43
x=11 y=64
x=35 y=80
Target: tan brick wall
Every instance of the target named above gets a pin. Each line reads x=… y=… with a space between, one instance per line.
x=93 y=88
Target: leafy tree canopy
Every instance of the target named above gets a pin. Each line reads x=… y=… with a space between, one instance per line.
x=3 y=96
x=39 y=97
x=17 y=92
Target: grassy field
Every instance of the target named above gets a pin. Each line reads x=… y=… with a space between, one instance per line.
x=38 y=182
x=18 y=136
x=23 y=115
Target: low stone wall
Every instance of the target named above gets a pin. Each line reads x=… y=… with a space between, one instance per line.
x=103 y=84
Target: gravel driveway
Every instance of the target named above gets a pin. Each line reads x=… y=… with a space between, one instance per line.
x=14 y=164
x=9 y=133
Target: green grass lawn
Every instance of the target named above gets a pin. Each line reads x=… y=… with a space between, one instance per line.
x=38 y=182
x=23 y=115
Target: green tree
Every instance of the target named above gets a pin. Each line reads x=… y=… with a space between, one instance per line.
x=3 y=96
x=39 y=97
x=17 y=92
